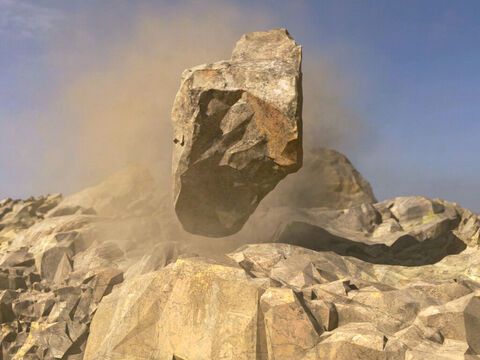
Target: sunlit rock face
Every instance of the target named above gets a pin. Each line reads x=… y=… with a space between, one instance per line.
x=107 y=274
x=237 y=132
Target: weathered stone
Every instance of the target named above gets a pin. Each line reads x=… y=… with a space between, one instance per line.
x=64 y=268
x=103 y=281
x=469 y=227
x=352 y=232
x=193 y=309
x=49 y=202
x=53 y=337
x=49 y=261
x=161 y=255
x=325 y=313
x=414 y=209
x=16 y=215
x=354 y=341
x=10 y=280
x=23 y=309
x=289 y=330
x=373 y=274
x=106 y=254
x=70 y=210
x=62 y=310
x=85 y=307
x=236 y=137
x=428 y=343
x=458 y=319
x=42 y=236
x=298 y=272
x=18 y=258
x=43 y=304
x=66 y=300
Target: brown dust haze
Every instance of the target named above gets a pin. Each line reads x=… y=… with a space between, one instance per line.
x=113 y=97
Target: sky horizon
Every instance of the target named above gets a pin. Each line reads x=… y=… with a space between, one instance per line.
x=394 y=86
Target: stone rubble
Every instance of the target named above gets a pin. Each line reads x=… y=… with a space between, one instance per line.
x=399 y=279
x=109 y=273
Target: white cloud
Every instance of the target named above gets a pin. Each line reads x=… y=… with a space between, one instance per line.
x=25 y=19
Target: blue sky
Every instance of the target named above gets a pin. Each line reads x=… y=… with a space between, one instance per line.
x=410 y=69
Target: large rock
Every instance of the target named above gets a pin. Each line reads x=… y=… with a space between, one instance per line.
x=193 y=309
x=403 y=231
x=377 y=311
x=398 y=279
x=458 y=319
x=338 y=307
x=327 y=179
x=289 y=331
x=237 y=132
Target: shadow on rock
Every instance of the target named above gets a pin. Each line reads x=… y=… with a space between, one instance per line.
x=405 y=251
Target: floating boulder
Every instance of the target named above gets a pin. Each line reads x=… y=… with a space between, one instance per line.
x=237 y=132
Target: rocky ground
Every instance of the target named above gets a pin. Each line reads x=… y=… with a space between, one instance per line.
x=108 y=273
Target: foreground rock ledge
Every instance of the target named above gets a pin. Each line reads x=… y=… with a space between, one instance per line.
x=237 y=132
x=399 y=279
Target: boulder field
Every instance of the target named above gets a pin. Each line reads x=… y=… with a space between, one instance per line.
x=108 y=273
x=321 y=269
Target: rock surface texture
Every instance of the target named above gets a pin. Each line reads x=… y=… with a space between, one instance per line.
x=237 y=132
x=108 y=274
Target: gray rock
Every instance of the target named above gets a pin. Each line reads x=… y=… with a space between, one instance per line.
x=403 y=231
x=237 y=132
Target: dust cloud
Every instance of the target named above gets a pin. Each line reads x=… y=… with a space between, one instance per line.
x=113 y=93
x=112 y=106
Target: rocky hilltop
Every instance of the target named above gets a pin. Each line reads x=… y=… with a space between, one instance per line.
x=321 y=269
x=108 y=273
